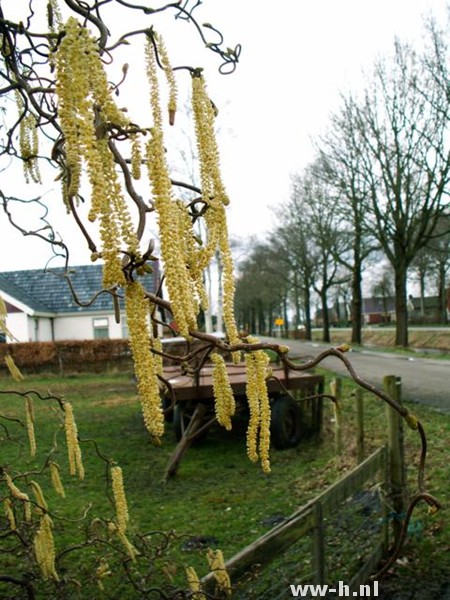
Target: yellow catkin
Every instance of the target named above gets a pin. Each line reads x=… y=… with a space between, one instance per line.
x=164 y=57
x=228 y=290
x=251 y=390
x=15 y=491
x=194 y=583
x=13 y=368
x=28 y=142
x=27 y=512
x=225 y=405
x=206 y=143
x=144 y=363
x=39 y=495
x=189 y=254
x=19 y=495
x=177 y=276
x=120 y=500
x=216 y=198
x=131 y=550
x=56 y=479
x=101 y=572
x=86 y=110
x=156 y=345
x=258 y=432
x=7 y=504
x=3 y=316
x=73 y=447
x=44 y=549
x=265 y=411
x=29 y=417
x=136 y=157
x=217 y=566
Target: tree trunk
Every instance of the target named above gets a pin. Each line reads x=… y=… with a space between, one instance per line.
x=422 y=294
x=307 y=303
x=442 y=296
x=356 y=304
x=326 y=317
x=253 y=321
x=285 y=316
x=271 y=320
x=401 y=305
x=297 y=301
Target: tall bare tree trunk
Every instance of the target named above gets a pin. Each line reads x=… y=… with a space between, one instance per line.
x=401 y=306
x=326 y=318
x=443 y=299
x=356 y=304
x=307 y=304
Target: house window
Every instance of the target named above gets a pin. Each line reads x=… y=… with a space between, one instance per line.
x=101 y=328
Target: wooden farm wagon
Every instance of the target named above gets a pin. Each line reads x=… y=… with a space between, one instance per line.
x=295 y=397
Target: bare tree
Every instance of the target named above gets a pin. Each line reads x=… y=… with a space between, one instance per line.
x=340 y=151
x=300 y=254
x=403 y=122
x=316 y=208
x=262 y=288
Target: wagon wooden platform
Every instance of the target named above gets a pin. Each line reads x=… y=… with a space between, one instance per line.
x=295 y=397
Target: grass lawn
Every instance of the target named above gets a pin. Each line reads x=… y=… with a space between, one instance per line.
x=217 y=499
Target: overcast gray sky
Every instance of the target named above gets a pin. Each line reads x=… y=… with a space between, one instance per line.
x=297 y=55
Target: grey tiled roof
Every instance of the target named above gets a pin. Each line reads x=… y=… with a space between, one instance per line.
x=49 y=291
x=430 y=302
x=378 y=305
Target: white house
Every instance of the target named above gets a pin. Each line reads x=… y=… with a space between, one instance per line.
x=42 y=307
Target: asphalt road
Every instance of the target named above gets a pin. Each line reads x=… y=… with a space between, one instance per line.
x=424 y=380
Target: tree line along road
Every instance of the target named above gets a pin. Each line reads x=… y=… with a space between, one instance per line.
x=424 y=380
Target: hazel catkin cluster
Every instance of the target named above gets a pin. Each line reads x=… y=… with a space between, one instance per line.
x=258 y=432
x=86 y=111
x=224 y=399
x=145 y=365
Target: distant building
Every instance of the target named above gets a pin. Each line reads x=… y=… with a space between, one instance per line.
x=338 y=315
x=377 y=310
x=374 y=312
x=427 y=309
x=41 y=306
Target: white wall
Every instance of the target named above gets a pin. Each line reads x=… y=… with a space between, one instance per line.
x=17 y=323
x=39 y=329
x=81 y=327
x=68 y=327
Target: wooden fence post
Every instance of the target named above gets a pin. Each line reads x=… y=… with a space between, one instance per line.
x=359 y=424
x=396 y=461
x=336 y=391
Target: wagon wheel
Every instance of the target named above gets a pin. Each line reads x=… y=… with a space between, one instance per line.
x=285 y=424
x=166 y=405
x=181 y=418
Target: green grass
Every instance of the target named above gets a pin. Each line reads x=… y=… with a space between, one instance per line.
x=217 y=495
